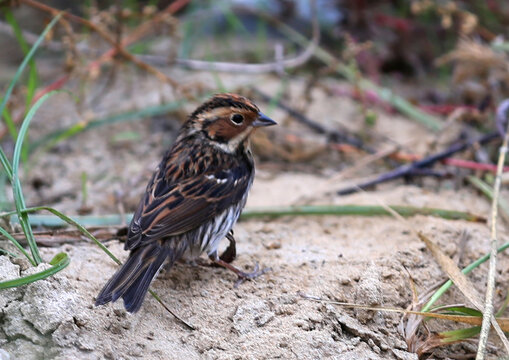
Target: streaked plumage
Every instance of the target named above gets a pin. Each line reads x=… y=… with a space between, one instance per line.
x=194 y=197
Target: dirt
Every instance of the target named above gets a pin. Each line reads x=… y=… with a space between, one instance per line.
x=349 y=259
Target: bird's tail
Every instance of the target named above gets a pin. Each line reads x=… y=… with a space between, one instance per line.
x=132 y=280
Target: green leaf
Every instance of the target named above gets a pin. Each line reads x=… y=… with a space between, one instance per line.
x=19 y=200
x=71 y=222
x=452 y=336
x=9 y=123
x=57 y=136
x=6 y=164
x=17 y=244
x=32 y=78
x=463 y=310
x=362 y=210
x=8 y=253
x=257 y=212
x=488 y=192
x=503 y=307
x=465 y=271
x=59 y=262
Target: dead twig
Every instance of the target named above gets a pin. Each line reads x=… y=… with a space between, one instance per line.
x=408 y=169
x=117 y=48
x=466 y=319
x=454 y=273
x=148 y=26
x=276 y=66
x=488 y=318
x=54 y=238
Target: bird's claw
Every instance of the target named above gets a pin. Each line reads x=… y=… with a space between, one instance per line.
x=243 y=276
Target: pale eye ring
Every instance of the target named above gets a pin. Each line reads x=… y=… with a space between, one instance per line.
x=237 y=119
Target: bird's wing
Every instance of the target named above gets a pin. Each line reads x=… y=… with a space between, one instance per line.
x=173 y=206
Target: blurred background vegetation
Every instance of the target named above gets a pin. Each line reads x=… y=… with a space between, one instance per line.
x=436 y=62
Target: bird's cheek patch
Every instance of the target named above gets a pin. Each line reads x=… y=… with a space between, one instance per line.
x=224 y=130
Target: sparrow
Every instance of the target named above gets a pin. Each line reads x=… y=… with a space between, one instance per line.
x=193 y=199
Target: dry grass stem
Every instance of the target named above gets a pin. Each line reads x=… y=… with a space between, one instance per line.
x=117 y=48
x=488 y=317
x=455 y=274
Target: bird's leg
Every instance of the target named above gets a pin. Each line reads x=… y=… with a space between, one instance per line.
x=241 y=274
x=231 y=251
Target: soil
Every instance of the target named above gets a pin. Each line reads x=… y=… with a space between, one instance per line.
x=364 y=260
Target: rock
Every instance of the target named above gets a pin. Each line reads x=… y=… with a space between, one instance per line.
x=14 y=325
x=8 y=271
x=4 y=355
x=48 y=303
x=404 y=355
x=368 y=292
x=26 y=350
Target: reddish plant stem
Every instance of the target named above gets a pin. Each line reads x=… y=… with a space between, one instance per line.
x=138 y=33
x=371 y=98
x=460 y=163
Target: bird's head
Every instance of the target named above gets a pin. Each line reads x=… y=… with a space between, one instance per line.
x=227 y=120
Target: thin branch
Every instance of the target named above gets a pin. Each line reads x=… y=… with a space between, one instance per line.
x=275 y=66
x=106 y=36
x=149 y=26
x=408 y=169
x=138 y=33
x=488 y=318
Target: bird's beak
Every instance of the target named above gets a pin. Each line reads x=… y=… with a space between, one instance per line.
x=263 y=120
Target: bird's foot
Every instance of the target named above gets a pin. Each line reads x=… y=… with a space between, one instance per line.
x=242 y=275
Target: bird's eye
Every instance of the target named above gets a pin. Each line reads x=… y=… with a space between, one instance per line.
x=237 y=119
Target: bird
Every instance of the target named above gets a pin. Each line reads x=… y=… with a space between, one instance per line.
x=193 y=198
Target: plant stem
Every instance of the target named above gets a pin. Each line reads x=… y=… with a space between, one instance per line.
x=465 y=271
x=488 y=318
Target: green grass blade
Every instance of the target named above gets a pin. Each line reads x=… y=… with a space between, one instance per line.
x=57 y=136
x=59 y=262
x=17 y=244
x=448 y=337
x=33 y=78
x=74 y=223
x=63 y=220
x=4 y=201
x=84 y=188
x=234 y=23
x=9 y=123
x=261 y=40
x=25 y=61
x=19 y=200
x=462 y=310
x=465 y=271
x=8 y=253
x=503 y=307
x=360 y=210
x=312 y=210
x=6 y=164
x=487 y=190
x=86 y=220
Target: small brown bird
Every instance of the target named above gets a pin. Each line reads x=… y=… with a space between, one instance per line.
x=193 y=199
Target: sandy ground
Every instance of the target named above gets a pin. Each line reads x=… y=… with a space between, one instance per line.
x=349 y=259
